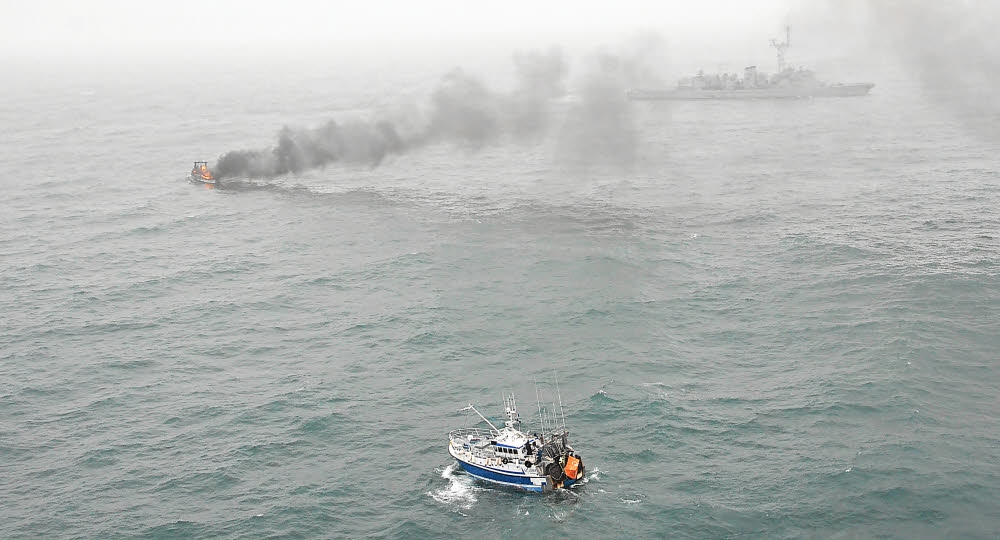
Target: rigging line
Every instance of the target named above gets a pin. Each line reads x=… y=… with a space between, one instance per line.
x=558 y=393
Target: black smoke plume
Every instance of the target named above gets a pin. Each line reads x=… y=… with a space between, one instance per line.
x=461 y=110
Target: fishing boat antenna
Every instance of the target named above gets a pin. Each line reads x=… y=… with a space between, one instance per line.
x=538 y=401
x=510 y=411
x=487 y=420
x=558 y=393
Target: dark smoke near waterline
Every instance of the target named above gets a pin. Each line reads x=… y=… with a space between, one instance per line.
x=301 y=149
x=460 y=110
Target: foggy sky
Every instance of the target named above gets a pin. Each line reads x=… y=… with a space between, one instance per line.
x=699 y=33
x=949 y=46
x=108 y=28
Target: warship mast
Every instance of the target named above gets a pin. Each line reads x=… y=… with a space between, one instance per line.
x=781 y=47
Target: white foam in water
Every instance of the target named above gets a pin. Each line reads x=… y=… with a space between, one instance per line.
x=460 y=489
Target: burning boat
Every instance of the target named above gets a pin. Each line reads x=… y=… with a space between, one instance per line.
x=201 y=175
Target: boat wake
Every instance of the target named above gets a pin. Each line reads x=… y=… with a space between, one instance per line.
x=593 y=476
x=460 y=490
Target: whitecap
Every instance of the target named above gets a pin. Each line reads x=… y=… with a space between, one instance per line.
x=595 y=475
x=460 y=489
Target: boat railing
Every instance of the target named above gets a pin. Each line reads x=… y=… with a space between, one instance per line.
x=464 y=433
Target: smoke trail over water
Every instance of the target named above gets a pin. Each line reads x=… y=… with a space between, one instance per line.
x=599 y=128
x=460 y=110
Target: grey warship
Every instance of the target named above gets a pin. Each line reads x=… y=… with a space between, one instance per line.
x=787 y=83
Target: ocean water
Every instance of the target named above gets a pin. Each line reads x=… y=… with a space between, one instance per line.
x=780 y=319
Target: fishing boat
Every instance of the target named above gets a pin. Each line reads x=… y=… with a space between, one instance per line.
x=201 y=175
x=539 y=462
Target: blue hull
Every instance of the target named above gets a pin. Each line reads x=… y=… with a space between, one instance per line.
x=514 y=480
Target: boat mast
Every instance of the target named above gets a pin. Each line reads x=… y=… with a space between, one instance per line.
x=782 y=46
x=558 y=393
x=538 y=401
x=510 y=411
x=483 y=417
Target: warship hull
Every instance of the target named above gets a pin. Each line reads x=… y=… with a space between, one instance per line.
x=833 y=90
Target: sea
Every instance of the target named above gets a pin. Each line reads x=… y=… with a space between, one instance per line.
x=767 y=319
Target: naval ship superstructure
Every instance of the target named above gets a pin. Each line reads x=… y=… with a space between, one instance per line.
x=788 y=82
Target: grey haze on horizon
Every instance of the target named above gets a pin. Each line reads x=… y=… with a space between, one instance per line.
x=652 y=43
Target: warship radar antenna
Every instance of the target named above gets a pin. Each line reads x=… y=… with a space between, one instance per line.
x=781 y=47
